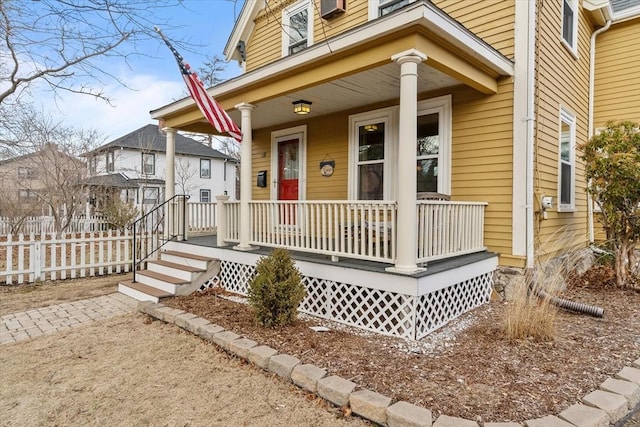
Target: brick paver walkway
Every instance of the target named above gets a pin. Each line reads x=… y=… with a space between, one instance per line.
x=54 y=318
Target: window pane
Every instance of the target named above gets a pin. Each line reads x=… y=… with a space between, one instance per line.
x=298 y=31
x=567 y=22
x=565 y=142
x=370 y=180
x=565 y=184
x=427 y=172
x=428 y=135
x=388 y=6
x=371 y=142
x=205 y=168
x=148 y=164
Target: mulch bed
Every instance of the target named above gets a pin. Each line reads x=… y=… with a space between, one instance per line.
x=467 y=368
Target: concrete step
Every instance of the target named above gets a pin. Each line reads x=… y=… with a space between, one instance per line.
x=185 y=258
x=160 y=281
x=179 y=271
x=141 y=292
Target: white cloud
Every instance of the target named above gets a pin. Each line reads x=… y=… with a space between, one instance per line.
x=130 y=109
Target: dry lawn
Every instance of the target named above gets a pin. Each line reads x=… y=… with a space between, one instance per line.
x=130 y=371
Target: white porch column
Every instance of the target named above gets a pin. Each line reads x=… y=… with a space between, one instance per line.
x=170 y=180
x=245 y=177
x=407 y=222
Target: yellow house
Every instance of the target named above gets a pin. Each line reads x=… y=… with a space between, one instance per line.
x=405 y=149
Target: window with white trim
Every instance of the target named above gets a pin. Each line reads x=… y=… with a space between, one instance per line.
x=150 y=195
x=388 y=6
x=205 y=168
x=110 y=158
x=205 y=196
x=148 y=164
x=433 y=145
x=297 y=27
x=570 y=23
x=370 y=153
x=566 y=161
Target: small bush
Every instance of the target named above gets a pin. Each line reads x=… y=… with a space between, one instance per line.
x=276 y=290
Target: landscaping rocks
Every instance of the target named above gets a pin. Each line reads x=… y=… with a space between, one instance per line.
x=283 y=364
x=335 y=389
x=629 y=390
x=224 y=338
x=585 y=416
x=613 y=404
x=405 y=414
x=630 y=374
x=306 y=376
x=260 y=356
x=370 y=405
x=241 y=347
x=447 y=421
x=208 y=331
x=548 y=421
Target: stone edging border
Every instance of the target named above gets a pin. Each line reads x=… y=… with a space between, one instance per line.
x=614 y=399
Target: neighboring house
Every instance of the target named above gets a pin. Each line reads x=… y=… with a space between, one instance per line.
x=43 y=182
x=132 y=167
x=357 y=114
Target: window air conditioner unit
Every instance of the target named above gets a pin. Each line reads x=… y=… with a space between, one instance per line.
x=331 y=8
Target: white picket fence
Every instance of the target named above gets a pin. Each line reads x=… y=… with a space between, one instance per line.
x=30 y=258
x=46 y=224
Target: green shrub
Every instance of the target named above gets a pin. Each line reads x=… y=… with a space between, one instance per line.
x=276 y=290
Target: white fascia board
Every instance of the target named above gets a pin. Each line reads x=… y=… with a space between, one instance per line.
x=243 y=27
x=423 y=14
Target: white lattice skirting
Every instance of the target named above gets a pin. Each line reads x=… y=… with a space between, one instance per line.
x=383 y=310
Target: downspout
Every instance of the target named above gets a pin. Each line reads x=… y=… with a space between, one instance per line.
x=592 y=68
x=531 y=61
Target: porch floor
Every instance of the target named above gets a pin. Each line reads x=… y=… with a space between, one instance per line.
x=433 y=267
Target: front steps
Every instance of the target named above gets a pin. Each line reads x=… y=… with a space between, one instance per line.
x=175 y=273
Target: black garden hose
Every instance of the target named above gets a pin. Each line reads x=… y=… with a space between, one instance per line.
x=577 y=307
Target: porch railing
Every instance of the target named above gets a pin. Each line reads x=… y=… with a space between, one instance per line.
x=447 y=229
x=201 y=217
x=166 y=222
x=360 y=229
x=355 y=229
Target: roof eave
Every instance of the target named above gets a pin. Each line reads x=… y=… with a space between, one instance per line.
x=420 y=13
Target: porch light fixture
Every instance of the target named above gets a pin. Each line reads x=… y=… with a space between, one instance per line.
x=370 y=128
x=301 y=107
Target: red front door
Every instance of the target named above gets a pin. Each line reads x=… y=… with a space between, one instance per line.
x=288 y=177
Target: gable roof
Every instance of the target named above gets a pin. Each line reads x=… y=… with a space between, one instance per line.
x=149 y=138
x=51 y=148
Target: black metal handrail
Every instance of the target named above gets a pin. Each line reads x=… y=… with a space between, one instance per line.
x=151 y=232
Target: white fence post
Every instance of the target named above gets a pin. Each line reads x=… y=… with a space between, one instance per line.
x=221 y=232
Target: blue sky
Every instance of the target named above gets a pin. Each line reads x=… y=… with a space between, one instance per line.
x=156 y=80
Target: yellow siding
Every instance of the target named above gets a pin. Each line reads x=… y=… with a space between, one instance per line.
x=562 y=80
x=617 y=76
x=482 y=158
x=491 y=20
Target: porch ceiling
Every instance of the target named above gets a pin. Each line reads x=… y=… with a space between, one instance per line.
x=368 y=87
x=365 y=88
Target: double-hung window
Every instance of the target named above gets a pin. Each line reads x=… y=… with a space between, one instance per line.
x=570 y=24
x=205 y=168
x=297 y=25
x=388 y=6
x=566 y=161
x=110 y=161
x=148 y=164
x=205 y=196
x=150 y=195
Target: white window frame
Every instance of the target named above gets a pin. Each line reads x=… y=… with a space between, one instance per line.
x=375 y=6
x=388 y=116
x=567 y=117
x=110 y=161
x=144 y=195
x=442 y=106
x=153 y=164
x=289 y=11
x=203 y=176
x=207 y=194
x=572 y=44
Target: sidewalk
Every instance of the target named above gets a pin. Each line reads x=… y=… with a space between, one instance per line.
x=33 y=323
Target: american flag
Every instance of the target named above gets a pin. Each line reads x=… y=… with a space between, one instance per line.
x=213 y=112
